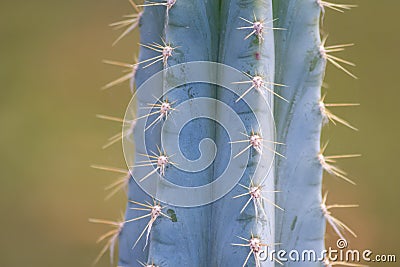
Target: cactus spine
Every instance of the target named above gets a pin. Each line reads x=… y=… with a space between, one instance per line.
x=277 y=47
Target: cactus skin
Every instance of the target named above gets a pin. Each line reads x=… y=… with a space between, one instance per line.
x=208 y=31
x=299 y=176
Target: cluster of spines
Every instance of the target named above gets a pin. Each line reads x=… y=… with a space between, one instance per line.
x=111 y=237
x=258 y=83
x=257 y=28
x=255 y=194
x=161 y=160
x=256 y=246
x=130 y=22
x=154 y=211
x=257 y=143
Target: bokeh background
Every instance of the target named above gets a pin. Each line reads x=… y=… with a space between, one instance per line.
x=51 y=74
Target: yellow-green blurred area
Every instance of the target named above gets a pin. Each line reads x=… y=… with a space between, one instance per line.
x=51 y=74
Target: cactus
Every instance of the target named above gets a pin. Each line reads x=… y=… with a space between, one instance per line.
x=274 y=61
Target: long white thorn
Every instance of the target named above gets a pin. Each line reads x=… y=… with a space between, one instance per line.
x=130 y=24
x=130 y=68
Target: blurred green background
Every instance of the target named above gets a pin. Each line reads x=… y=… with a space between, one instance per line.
x=51 y=72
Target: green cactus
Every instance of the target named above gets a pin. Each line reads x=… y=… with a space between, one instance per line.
x=273 y=68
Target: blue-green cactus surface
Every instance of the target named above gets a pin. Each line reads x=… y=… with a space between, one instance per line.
x=279 y=57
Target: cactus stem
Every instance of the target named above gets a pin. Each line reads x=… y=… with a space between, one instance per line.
x=329 y=116
x=327 y=164
x=337 y=7
x=161 y=160
x=155 y=211
x=255 y=193
x=257 y=142
x=117 y=137
x=259 y=84
x=131 y=68
x=119 y=184
x=112 y=236
x=337 y=225
x=336 y=61
x=164 y=109
x=255 y=244
x=257 y=27
x=130 y=23
x=165 y=50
